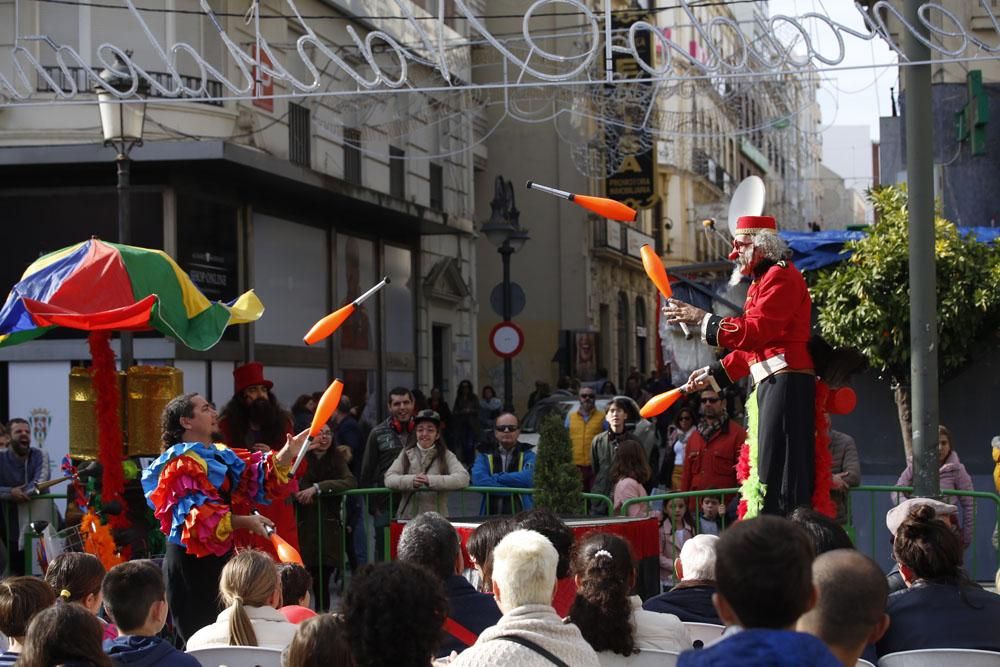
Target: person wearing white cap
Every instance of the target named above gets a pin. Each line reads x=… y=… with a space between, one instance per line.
x=944 y=511
x=941 y=607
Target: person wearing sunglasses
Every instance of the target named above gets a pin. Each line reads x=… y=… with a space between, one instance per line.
x=505 y=462
x=712 y=450
x=768 y=342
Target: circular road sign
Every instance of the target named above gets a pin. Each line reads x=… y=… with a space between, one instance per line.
x=506 y=339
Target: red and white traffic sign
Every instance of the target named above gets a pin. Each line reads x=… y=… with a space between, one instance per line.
x=506 y=339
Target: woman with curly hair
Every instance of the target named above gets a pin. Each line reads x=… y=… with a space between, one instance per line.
x=942 y=607
x=327 y=474
x=609 y=618
x=393 y=614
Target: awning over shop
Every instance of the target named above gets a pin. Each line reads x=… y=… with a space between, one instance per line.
x=814 y=250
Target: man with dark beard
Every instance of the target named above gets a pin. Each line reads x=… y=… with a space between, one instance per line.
x=769 y=342
x=22 y=467
x=253 y=419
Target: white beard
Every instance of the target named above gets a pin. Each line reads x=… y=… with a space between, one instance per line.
x=736 y=276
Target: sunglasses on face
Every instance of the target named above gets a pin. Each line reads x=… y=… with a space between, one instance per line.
x=709 y=400
x=506 y=428
x=587 y=397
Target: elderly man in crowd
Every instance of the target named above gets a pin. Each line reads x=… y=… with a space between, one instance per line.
x=429 y=540
x=530 y=634
x=691 y=599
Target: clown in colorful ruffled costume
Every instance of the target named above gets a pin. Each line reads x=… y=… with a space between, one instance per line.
x=201 y=494
x=785 y=463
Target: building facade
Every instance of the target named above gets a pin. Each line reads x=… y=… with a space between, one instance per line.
x=307 y=198
x=964 y=96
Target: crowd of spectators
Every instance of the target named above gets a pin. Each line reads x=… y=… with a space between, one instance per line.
x=788 y=591
x=535 y=595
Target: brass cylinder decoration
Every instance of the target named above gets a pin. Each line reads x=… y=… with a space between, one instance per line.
x=145 y=392
x=83 y=436
x=148 y=390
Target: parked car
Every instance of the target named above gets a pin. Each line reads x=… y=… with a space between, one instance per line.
x=560 y=404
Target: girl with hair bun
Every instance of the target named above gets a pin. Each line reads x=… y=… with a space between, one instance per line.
x=251 y=590
x=610 y=619
x=941 y=607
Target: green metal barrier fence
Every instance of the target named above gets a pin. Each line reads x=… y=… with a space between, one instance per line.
x=875 y=518
x=474 y=494
x=29 y=537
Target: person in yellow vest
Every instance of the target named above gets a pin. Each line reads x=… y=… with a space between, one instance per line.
x=583 y=425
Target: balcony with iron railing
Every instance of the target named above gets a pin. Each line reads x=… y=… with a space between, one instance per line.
x=79 y=78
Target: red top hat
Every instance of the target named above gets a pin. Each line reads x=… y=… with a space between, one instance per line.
x=249 y=375
x=756 y=224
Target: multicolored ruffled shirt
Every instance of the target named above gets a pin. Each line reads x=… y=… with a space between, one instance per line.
x=194 y=489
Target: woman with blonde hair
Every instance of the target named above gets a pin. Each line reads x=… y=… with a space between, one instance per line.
x=251 y=591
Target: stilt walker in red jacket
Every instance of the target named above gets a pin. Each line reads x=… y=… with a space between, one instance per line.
x=768 y=342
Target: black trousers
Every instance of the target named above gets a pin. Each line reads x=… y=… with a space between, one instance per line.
x=786 y=440
x=192 y=589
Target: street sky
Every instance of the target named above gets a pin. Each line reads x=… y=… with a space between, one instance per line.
x=853 y=96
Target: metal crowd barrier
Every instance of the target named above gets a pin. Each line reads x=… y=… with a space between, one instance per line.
x=871 y=528
x=470 y=500
x=54 y=519
x=880 y=501
x=867 y=506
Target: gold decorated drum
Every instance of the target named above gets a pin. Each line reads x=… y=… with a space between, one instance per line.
x=83 y=436
x=149 y=389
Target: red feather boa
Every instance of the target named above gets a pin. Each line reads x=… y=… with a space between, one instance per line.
x=111 y=446
x=822 y=465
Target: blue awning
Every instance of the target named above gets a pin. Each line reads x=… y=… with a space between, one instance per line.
x=814 y=250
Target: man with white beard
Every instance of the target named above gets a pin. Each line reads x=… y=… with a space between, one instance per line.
x=769 y=342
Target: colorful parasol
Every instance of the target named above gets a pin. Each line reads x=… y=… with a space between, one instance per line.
x=103 y=287
x=98 y=286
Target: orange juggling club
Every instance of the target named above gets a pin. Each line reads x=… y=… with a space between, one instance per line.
x=661 y=402
x=655 y=270
x=286 y=552
x=332 y=322
x=328 y=402
x=602 y=206
x=658 y=274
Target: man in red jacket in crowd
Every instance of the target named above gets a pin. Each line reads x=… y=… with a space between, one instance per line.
x=254 y=419
x=712 y=450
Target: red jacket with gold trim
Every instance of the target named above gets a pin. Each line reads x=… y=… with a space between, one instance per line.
x=776 y=320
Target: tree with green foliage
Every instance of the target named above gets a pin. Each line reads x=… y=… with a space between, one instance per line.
x=865 y=302
x=557 y=481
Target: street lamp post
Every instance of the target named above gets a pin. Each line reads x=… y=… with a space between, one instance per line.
x=504 y=231
x=122 y=124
